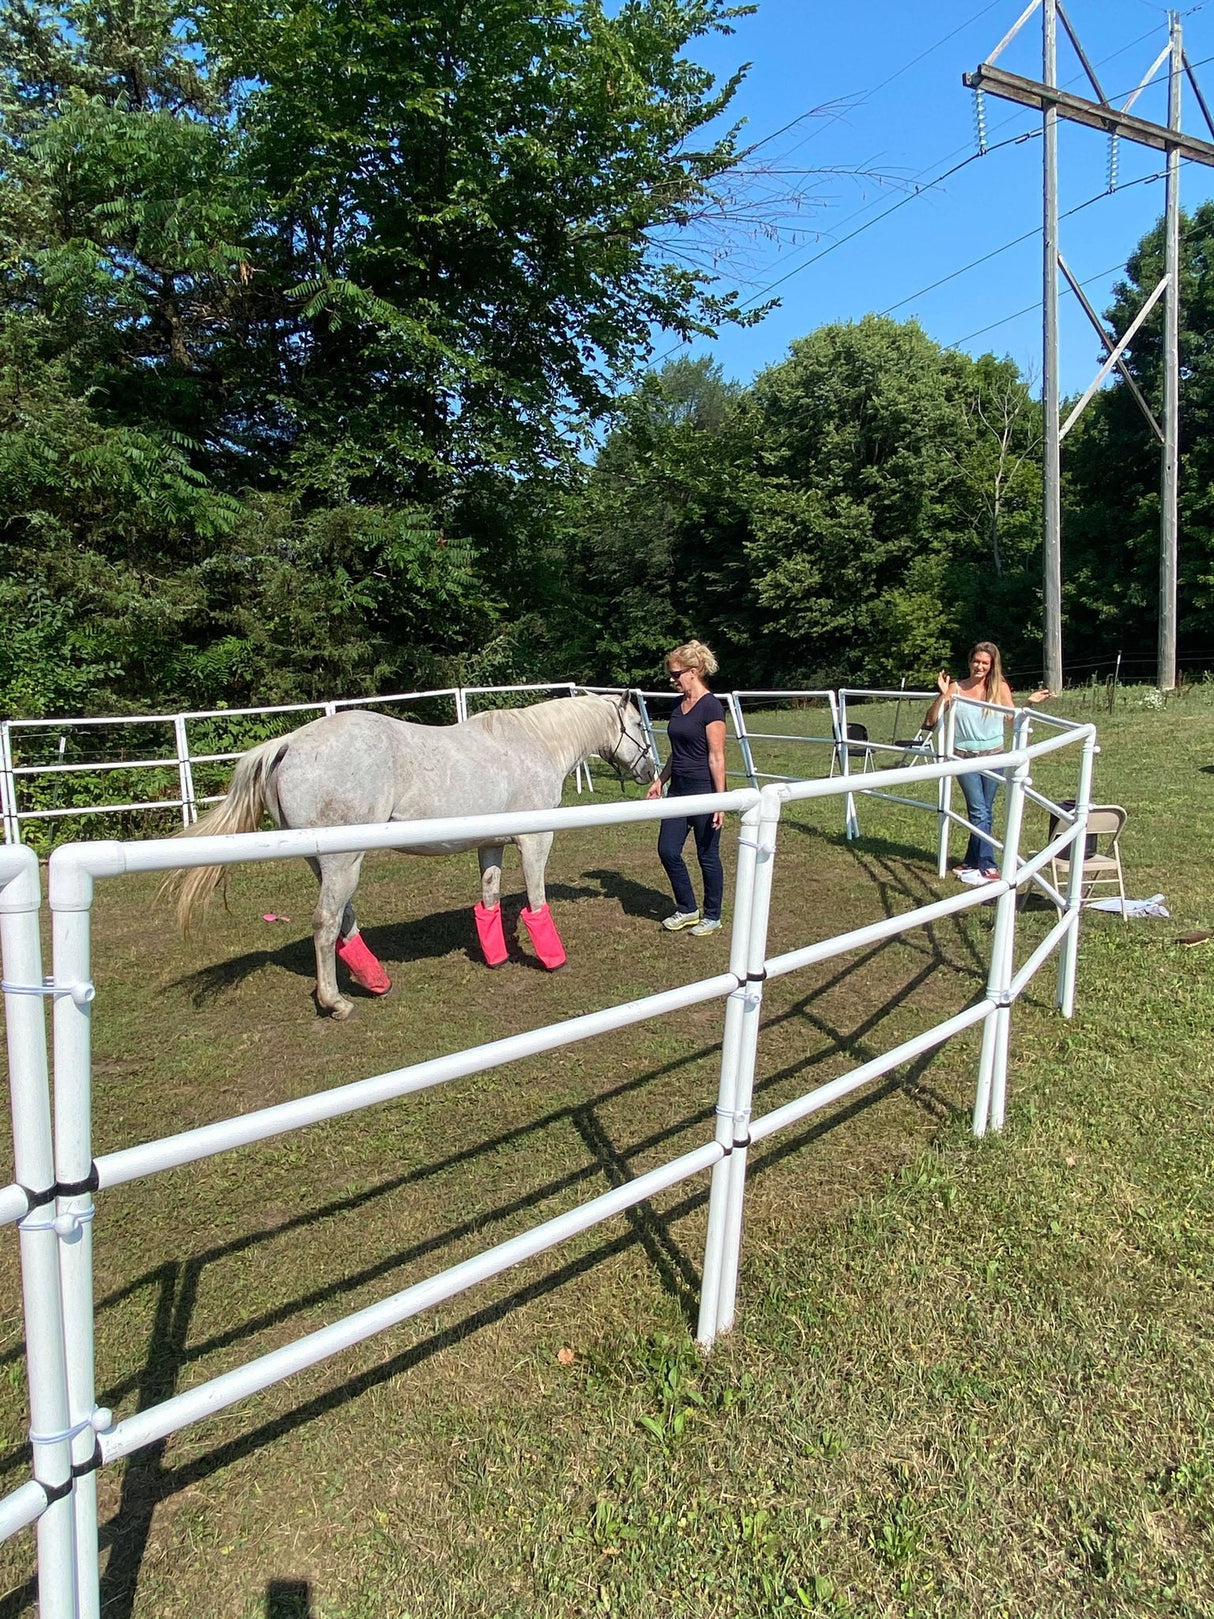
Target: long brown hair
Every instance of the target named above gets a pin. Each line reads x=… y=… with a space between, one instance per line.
x=994 y=676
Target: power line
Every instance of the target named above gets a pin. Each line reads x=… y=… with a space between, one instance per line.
x=1143 y=179
x=930 y=185
x=1190 y=238
x=842 y=241
x=1010 y=140
x=1001 y=124
x=867 y=95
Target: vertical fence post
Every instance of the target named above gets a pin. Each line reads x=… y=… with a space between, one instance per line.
x=739 y=731
x=647 y=722
x=748 y=1040
x=185 y=772
x=71 y=895
x=942 y=742
x=582 y=772
x=735 y=1010
x=461 y=705
x=8 y=787
x=992 y=1065
x=34 y=1166
x=851 y=825
x=1068 y=955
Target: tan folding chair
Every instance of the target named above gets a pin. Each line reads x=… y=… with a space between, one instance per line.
x=915 y=748
x=1100 y=869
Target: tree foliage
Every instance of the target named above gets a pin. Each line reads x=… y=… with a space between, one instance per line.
x=298 y=297
x=861 y=513
x=1112 y=469
x=322 y=339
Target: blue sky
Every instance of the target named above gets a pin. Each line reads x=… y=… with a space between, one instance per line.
x=882 y=79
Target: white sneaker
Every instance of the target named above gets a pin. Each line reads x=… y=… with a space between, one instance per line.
x=707 y=926
x=680 y=919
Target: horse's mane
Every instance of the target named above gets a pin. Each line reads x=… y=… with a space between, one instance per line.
x=560 y=722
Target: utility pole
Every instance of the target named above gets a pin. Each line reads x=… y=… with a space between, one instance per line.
x=1052 y=446
x=1119 y=124
x=1168 y=516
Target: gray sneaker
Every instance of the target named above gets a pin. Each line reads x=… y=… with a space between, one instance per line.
x=710 y=924
x=680 y=919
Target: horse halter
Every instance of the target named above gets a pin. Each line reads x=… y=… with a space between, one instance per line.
x=643 y=750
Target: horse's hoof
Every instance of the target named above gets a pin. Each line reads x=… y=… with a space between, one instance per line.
x=341 y=1009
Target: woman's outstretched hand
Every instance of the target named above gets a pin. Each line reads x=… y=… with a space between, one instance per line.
x=1040 y=695
x=944 y=681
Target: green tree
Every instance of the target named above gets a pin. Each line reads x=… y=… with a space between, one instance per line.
x=655 y=536
x=383 y=264
x=1111 y=465
x=885 y=503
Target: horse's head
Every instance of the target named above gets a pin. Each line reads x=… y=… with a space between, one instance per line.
x=628 y=748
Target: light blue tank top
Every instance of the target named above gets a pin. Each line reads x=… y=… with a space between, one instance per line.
x=976 y=729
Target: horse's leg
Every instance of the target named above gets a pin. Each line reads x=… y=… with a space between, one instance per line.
x=489 y=912
x=332 y=919
x=533 y=847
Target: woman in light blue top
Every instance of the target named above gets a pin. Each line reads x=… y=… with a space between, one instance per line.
x=978 y=731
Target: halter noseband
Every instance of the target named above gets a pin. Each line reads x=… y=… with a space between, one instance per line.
x=642 y=748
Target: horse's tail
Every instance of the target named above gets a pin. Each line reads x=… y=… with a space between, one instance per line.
x=249 y=795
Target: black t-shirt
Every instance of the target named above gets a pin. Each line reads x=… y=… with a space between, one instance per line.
x=688 y=736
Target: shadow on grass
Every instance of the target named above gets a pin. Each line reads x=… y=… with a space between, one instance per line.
x=443 y=933
x=634 y=899
x=147 y=1482
x=898 y=871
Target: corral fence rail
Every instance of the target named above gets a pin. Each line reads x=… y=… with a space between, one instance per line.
x=57 y=1176
x=58 y=770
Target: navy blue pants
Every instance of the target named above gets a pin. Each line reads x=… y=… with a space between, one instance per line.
x=671 y=839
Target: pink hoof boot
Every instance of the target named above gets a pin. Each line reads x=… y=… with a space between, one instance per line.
x=489 y=931
x=362 y=966
x=544 y=937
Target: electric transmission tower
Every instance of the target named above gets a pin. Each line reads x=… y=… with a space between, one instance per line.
x=1119 y=123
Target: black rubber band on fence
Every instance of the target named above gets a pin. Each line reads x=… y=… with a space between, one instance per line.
x=79 y=1469
x=757 y=978
x=36 y=1200
x=90 y=1183
x=56 y=1492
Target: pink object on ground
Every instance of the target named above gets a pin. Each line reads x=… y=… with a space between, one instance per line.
x=544 y=937
x=362 y=966
x=489 y=931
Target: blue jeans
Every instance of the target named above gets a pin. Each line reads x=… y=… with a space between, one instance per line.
x=979 y=792
x=671 y=839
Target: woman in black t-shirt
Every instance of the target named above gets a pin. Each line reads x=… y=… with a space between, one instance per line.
x=696 y=765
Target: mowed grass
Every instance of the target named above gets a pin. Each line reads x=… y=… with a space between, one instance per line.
x=967 y=1378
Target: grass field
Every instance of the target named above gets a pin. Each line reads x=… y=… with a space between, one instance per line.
x=967 y=1378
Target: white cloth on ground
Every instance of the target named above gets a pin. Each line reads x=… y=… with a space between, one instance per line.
x=1133 y=907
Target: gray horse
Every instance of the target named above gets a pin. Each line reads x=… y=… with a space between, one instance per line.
x=357 y=767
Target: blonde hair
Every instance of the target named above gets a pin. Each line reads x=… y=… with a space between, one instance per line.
x=994 y=675
x=694 y=655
